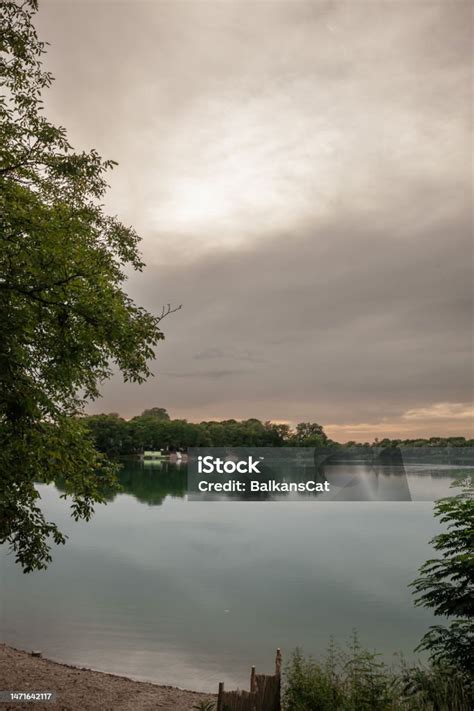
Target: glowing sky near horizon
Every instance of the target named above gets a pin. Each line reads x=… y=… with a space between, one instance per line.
x=301 y=176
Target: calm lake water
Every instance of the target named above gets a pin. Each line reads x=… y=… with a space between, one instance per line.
x=192 y=593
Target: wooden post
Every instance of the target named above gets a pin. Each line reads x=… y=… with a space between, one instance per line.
x=278 y=676
x=220 y=695
x=252 y=681
x=278 y=663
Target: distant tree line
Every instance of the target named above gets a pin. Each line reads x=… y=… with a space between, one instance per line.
x=154 y=429
x=419 y=442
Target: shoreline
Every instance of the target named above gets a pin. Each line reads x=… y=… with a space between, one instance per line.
x=83 y=688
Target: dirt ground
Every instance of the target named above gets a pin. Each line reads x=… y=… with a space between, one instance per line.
x=78 y=688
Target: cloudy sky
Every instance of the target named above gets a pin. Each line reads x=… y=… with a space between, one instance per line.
x=301 y=175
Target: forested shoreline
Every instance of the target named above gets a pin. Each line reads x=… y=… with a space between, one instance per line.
x=154 y=429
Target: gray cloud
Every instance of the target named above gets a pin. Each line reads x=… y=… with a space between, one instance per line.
x=301 y=175
x=213 y=374
x=232 y=353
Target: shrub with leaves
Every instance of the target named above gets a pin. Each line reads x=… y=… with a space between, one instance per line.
x=446 y=584
x=437 y=687
x=355 y=679
x=350 y=678
x=206 y=705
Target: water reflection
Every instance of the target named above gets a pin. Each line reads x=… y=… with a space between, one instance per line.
x=191 y=594
x=151 y=483
x=351 y=478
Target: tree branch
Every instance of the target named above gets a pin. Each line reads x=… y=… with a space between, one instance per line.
x=167 y=310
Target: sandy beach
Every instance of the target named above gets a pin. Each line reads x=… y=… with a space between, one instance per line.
x=79 y=688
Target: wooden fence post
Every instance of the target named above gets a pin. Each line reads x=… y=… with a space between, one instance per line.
x=252 y=681
x=278 y=676
x=278 y=663
x=220 y=699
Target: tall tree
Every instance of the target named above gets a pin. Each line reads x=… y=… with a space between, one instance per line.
x=64 y=315
x=159 y=413
x=446 y=584
x=309 y=434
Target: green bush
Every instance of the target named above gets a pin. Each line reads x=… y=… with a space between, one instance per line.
x=439 y=687
x=354 y=679
x=207 y=705
x=351 y=679
x=446 y=583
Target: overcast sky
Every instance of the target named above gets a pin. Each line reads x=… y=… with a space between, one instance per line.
x=301 y=176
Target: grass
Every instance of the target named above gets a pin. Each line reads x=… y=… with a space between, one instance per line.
x=354 y=679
